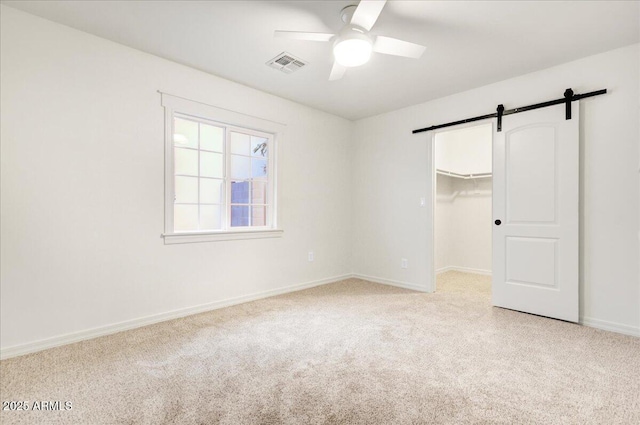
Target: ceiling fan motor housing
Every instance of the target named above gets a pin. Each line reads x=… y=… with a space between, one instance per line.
x=347 y=13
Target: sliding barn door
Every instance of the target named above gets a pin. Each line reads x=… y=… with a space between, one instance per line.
x=535 y=213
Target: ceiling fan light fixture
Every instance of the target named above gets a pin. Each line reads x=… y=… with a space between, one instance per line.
x=353 y=49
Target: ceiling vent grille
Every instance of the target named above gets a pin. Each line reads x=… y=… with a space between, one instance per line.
x=286 y=63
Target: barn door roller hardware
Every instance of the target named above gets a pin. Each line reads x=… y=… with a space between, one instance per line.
x=569 y=97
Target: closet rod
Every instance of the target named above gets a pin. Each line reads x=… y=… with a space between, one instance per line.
x=569 y=97
x=463 y=176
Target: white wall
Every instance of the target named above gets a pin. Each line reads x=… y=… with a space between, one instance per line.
x=465 y=151
x=463 y=224
x=392 y=170
x=443 y=223
x=82 y=188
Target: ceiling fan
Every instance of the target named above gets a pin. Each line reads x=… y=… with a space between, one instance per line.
x=353 y=45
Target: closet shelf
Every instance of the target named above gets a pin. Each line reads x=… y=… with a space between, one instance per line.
x=463 y=176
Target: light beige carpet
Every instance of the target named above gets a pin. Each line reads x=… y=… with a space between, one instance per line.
x=352 y=352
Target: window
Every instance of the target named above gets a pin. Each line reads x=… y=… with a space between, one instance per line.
x=220 y=176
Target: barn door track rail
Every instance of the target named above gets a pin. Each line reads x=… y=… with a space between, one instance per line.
x=569 y=96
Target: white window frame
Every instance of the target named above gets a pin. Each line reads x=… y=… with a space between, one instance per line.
x=232 y=122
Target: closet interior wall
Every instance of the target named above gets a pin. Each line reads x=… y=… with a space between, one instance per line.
x=463 y=204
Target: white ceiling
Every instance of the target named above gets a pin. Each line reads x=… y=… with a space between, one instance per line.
x=469 y=43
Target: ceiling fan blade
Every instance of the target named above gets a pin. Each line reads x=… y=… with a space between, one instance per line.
x=393 y=46
x=367 y=13
x=307 y=36
x=337 y=71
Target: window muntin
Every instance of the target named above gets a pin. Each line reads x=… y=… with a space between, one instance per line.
x=223 y=176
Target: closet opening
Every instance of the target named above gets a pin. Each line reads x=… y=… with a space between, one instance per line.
x=463 y=208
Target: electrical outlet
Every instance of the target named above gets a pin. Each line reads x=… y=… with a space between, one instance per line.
x=310 y=255
x=404 y=263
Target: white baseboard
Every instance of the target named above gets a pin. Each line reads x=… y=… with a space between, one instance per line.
x=463 y=270
x=445 y=269
x=610 y=326
x=389 y=282
x=32 y=347
x=56 y=341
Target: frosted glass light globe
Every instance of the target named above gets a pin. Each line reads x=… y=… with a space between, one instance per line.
x=352 y=52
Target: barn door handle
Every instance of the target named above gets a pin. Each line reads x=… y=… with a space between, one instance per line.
x=498 y=222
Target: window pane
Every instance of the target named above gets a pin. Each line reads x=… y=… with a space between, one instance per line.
x=259 y=146
x=186 y=162
x=259 y=216
x=185 y=218
x=211 y=164
x=210 y=191
x=186 y=190
x=239 y=216
x=211 y=138
x=210 y=217
x=259 y=192
x=185 y=133
x=240 y=143
x=240 y=192
x=240 y=167
x=258 y=168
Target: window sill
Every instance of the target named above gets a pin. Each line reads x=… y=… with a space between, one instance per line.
x=176 y=238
